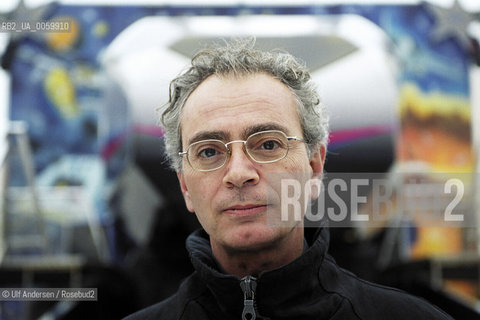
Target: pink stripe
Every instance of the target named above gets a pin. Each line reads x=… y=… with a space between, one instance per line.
x=343 y=136
x=116 y=142
x=150 y=130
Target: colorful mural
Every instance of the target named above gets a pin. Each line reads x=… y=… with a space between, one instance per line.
x=74 y=109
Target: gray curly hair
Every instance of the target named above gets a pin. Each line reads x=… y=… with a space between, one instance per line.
x=238 y=57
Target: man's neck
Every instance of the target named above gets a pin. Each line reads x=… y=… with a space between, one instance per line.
x=242 y=263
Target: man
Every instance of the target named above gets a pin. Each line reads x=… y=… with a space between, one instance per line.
x=235 y=120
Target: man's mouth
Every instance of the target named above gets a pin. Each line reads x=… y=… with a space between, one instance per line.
x=245 y=210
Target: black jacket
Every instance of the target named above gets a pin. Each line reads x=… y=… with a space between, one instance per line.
x=311 y=287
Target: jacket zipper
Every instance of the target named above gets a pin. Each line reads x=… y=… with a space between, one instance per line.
x=249 y=287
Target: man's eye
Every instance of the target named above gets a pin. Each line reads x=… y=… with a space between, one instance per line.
x=207 y=153
x=270 y=145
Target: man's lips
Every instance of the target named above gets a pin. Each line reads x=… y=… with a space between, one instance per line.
x=245 y=210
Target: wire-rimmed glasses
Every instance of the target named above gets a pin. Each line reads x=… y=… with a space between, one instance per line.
x=262 y=147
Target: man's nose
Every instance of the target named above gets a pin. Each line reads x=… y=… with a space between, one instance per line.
x=241 y=170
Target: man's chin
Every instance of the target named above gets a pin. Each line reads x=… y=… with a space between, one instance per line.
x=254 y=237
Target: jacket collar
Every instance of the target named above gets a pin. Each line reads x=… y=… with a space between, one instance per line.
x=279 y=292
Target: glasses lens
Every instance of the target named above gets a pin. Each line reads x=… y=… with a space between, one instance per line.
x=207 y=155
x=268 y=146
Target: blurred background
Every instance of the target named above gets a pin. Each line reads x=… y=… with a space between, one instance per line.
x=87 y=199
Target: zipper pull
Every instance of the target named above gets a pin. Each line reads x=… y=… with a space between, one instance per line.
x=249 y=286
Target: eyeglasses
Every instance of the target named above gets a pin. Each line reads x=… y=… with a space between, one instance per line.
x=262 y=147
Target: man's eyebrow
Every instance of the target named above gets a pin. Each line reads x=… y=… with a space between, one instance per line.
x=224 y=136
x=263 y=127
x=208 y=135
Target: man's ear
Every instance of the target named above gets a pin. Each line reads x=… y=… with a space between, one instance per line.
x=185 y=192
x=317 y=161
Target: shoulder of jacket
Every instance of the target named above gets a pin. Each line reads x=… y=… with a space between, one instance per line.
x=174 y=307
x=370 y=300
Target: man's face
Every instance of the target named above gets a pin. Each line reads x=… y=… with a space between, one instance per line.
x=231 y=202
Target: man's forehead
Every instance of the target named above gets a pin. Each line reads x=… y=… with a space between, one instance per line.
x=258 y=86
x=223 y=107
